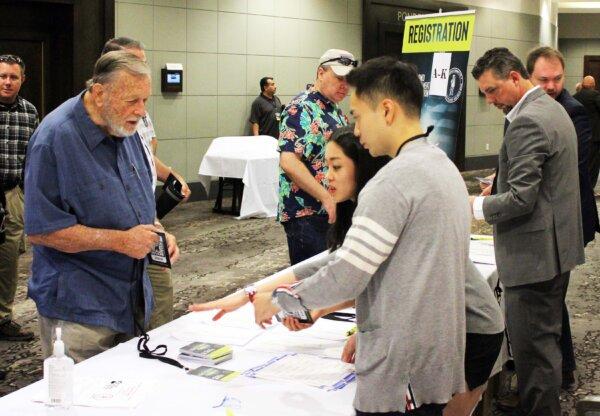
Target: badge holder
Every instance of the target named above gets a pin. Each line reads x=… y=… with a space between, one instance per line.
x=159 y=255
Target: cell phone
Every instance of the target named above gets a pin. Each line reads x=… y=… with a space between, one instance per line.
x=293 y=302
x=303 y=316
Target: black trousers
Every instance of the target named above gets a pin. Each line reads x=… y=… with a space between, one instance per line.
x=566 y=340
x=534 y=322
x=594 y=162
x=424 y=410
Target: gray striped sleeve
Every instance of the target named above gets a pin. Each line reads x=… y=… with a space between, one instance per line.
x=370 y=240
x=312 y=265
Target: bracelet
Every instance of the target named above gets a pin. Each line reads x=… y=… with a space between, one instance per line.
x=250 y=292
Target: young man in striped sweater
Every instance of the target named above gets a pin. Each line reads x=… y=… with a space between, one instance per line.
x=404 y=258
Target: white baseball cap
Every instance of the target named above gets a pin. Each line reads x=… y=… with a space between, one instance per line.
x=340 y=61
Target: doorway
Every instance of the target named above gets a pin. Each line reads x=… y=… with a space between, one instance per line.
x=59 y=41
x=591 y=66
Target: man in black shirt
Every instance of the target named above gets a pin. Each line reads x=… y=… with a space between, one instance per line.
x=266 y=110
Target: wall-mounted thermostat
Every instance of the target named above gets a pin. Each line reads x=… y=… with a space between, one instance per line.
x=172 y=78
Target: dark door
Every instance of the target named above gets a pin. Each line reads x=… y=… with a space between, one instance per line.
x=59 y=40
x=389 y=39
x=591 y=66
x=42 y=35
x=383 y=23
x=32 y=53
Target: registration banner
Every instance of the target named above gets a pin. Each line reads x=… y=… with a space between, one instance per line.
x=438 y=45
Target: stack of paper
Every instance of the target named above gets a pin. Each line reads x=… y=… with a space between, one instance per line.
x=206 y=352
x=482 y=251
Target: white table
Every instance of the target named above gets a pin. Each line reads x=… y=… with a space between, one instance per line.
x=178 y=393
x=255 y=160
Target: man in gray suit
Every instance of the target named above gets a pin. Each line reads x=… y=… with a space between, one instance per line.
x=537 y=223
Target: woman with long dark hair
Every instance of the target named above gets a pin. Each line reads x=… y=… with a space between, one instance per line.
x=344 y=151
x=350 y=167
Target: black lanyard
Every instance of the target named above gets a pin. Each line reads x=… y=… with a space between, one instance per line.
x=418 y=136
x=159 y=352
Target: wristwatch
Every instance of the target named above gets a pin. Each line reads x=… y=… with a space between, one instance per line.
x=250 y=292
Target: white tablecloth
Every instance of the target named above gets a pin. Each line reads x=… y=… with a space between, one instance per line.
x=177 y=393
x=255 y=160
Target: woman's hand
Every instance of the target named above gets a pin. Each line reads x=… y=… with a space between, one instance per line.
x=264 y=309
x=227 y=304
x=293 y=324
x=349 y=351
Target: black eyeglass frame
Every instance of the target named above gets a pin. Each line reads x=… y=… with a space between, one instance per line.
x=342 y=60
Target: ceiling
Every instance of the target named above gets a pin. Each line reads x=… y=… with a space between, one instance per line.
x=579 y=6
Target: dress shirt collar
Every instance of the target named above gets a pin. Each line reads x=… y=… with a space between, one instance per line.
x=513 y=113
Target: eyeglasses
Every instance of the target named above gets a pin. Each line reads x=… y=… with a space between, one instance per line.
x=342 y=60
x=11 y=59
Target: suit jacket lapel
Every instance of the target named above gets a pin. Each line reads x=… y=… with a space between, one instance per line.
x=531 y=97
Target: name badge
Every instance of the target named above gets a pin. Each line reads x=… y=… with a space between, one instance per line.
x=160 y=253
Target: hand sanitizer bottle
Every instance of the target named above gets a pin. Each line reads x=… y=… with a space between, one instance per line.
x=58 y=372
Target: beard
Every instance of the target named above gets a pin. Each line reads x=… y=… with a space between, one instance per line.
x=115 y=126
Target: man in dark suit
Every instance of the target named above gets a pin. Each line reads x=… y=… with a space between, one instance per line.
x=537 y=224
x=547 y=69
x=590 y=98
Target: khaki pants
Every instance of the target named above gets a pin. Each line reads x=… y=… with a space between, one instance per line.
x=81 y=341
x=162 y=286
x=9 y=251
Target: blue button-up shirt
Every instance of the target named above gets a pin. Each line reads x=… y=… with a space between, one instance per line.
x=76 y=174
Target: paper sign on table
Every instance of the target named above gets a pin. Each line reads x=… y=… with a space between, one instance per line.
x=108 y=393
x=327 y=373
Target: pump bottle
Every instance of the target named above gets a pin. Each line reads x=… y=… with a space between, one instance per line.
x=58 y=372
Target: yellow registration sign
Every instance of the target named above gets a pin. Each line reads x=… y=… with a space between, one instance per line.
x=448 y=33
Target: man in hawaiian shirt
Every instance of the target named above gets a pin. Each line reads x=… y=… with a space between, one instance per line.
x=305 y=206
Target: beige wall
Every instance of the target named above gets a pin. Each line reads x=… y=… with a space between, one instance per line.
x=225 y=47
x=519 y=31
x=579 y=35
x=574 y=50
x=579 y=26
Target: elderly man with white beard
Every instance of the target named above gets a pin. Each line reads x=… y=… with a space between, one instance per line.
x=91 y=212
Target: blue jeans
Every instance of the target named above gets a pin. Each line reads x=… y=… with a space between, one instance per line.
x=306 y=237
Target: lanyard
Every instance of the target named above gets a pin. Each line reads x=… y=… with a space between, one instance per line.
x=159 y=352
x=418 y=136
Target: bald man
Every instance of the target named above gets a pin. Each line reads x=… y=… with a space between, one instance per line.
x=589 y=82
x=590 y=98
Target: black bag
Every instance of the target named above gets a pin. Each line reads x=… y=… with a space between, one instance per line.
x=170 y=197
